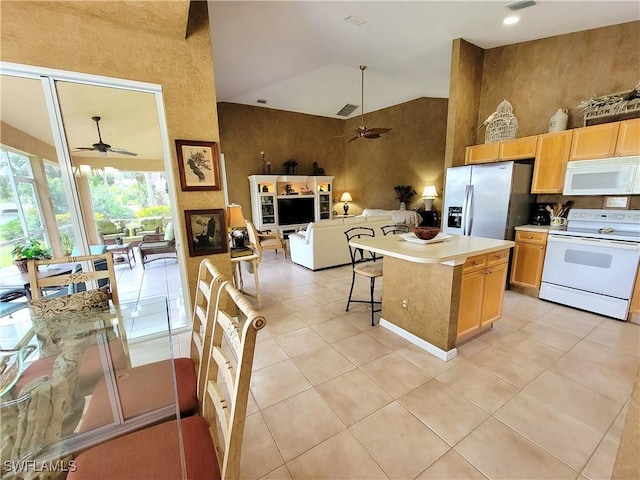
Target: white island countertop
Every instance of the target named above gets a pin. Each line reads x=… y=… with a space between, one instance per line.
x=453 y=251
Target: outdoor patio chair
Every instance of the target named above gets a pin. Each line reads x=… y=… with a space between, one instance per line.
x=157 y=246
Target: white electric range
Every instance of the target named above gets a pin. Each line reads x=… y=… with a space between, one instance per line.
x=592 y=265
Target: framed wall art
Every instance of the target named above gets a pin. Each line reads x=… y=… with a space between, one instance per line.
x=198 y=165
x=206 y=232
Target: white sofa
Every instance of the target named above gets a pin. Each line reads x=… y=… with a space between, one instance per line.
x=323 y=244
x=408 y=217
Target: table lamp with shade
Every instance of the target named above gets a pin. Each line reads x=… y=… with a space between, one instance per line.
x=428 y=195
x=236 y=225
x=346 y=198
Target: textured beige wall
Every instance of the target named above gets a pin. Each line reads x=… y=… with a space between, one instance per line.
x=245 y=131
x=411 y=154
x=540 y=76
x=464 y=100
x=142 y=41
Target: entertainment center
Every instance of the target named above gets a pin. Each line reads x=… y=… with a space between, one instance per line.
x=285 y=203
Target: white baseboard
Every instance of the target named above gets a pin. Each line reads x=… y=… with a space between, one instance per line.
x=432 y=349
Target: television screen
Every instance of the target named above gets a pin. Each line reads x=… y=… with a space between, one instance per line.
x=292 y=211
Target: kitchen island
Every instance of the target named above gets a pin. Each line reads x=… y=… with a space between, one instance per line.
x=423 y=286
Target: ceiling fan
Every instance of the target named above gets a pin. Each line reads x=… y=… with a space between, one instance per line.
x=363 y=131
x=102 y=147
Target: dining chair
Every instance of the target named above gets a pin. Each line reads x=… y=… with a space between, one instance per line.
x=211 y=441
x=363 y=263
x=394 y=229
x=55 y=316
x=261 y=241
x=149 y=387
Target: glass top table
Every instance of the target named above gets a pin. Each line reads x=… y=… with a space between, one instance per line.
x=46 y=414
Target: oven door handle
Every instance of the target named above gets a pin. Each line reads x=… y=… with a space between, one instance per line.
x=599 y=242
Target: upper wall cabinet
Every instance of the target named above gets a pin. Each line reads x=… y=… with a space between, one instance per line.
x=606 y=140
x=549 y=168
x=517 y=149
x=628 y=138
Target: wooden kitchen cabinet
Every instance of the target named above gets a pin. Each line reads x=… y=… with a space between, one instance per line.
x=628 y=142
x=517 y=149
x=482 y=153
x=552 y=154
x=528 y=259
x=634 y=309
x=596 y=141
x=481 y=292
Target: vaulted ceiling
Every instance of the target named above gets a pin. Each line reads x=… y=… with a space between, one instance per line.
x=305 y=56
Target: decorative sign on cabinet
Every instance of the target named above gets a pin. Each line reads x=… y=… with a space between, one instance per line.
x=286 y=202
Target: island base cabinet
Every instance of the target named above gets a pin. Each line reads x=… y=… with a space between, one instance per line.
x=471 y=293
x=481 y=294
x=494 y=285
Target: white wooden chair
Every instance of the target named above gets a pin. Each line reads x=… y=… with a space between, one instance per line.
x=212 y=441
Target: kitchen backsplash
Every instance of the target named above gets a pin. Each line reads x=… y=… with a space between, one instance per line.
x=585 y=201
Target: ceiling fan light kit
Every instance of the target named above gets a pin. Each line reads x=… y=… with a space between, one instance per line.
x=102 y=147
x=363 y=131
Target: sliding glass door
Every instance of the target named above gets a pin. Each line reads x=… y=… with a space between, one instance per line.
x=78 y=153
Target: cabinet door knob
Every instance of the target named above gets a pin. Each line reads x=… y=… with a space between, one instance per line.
x=530 y=236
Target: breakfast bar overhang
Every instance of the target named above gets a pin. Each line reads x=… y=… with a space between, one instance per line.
x=422 y=286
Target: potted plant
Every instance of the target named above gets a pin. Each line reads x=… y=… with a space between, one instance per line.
x=404 y=194
x=32 y=250
x=67 y=242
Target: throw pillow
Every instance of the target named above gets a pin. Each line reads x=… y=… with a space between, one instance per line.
x=54 y=317
x=169 y=234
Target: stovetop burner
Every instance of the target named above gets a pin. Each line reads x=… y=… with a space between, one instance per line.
x=605 y=224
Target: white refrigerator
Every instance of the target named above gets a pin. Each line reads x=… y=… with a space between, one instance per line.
x=487 y=200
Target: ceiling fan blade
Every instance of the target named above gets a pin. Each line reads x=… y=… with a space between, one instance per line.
x=372 y=135
x=84 y=148
x=378 y=131
x=355 y=138
x=122 y=151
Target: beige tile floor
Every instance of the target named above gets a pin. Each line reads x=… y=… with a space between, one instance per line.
x=541 y=395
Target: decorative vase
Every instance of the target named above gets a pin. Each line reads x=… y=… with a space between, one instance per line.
x=403 y=206
x=558 y=121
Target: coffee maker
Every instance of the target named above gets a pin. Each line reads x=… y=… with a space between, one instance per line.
x=539 y=214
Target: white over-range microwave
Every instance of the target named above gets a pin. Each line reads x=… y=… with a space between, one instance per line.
x=609 y=176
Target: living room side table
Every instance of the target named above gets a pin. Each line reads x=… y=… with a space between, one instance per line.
x=126 y=250
x=254 y=260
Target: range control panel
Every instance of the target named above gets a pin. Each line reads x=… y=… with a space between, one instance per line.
x=604 y=216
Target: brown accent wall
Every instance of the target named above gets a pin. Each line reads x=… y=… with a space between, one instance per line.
x=245 y=131
x=143 y=41
x=464 y=100
x=411 y=154
x=540 y=76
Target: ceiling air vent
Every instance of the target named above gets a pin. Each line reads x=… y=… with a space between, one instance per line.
x=261 y=100
x=347 y=110
x=520 y=5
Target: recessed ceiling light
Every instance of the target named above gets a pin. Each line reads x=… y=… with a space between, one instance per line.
x=355 y=20
x=512 y=20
